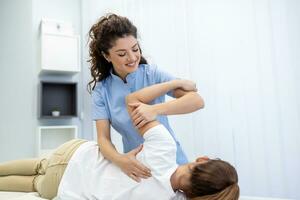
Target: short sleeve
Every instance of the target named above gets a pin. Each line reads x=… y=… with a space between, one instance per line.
x=161 y=76
x=99 y=110
x=159 y=151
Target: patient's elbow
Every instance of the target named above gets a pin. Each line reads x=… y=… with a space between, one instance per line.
x=200 y=102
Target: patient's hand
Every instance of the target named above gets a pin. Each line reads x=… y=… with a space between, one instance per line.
x=132 y=167
x=142 y=114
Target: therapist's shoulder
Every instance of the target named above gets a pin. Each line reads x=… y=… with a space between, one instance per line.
x=150 y=70
x=154 y=73
x=97 y=90
x=101 y=85
x=147 y=68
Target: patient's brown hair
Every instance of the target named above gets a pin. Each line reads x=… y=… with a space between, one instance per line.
x=212 y=180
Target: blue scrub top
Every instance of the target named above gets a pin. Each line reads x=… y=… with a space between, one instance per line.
x=108 y=102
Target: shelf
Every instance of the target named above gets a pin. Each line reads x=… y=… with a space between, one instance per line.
x=60 y=96
x=51 y=137
x=60 y=48
x=59 y=117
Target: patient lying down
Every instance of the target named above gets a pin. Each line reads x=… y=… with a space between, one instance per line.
x=77 y=170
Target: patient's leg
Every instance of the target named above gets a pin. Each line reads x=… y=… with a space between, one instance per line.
x=26 y=167
x=47 y=185
x=17 y=183
x=19 y=175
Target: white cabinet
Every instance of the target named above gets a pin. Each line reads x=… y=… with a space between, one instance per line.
x=60 y=47
x=50 y=137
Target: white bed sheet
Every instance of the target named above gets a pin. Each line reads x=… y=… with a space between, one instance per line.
x=35 y=196
x=19 y=196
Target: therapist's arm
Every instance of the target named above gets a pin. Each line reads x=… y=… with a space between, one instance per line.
x=104 y=140
x=186 y=101
x=127 y=162
x=148 y=94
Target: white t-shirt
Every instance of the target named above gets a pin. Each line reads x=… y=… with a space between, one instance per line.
x=90 y=176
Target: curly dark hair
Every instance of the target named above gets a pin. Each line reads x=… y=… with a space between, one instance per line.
x=215 y=179
x=102 y=36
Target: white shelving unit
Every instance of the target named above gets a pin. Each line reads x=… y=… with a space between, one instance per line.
x=60 y=47
x=50 y=137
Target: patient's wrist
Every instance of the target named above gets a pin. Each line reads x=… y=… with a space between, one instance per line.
x=158 y=109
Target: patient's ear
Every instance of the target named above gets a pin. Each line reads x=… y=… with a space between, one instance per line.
x=202 y=158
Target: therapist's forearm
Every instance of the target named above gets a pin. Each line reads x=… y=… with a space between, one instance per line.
x=108 y=150
x=188 y=103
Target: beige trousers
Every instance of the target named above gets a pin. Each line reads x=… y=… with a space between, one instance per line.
x=38 y=175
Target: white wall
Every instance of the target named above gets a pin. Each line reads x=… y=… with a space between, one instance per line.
x=17 y=80
x=19 y=67
x=244 y=57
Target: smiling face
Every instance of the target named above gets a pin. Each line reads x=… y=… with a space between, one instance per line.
x=125 y=56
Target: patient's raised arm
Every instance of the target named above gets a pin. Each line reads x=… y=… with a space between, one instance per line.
x=147 y=94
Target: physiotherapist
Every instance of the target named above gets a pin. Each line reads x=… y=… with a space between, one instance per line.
x=118 y=69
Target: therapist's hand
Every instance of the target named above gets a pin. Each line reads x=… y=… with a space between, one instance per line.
x=132 y=167
x=142 y=114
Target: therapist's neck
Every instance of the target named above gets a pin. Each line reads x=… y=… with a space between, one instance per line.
x=121 y=75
